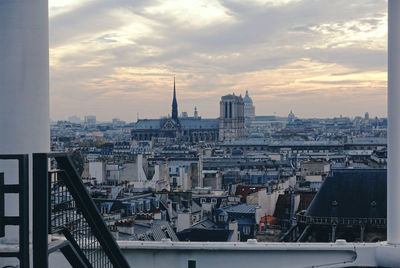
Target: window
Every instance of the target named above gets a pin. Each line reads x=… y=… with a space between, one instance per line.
x=103 y=210
x=202 y=200
x=214 y=200
x=246 y=230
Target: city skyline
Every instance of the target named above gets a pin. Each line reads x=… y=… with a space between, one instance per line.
x=101 y=120
x=317 y=58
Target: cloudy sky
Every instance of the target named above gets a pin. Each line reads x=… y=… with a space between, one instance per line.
x=117 y=58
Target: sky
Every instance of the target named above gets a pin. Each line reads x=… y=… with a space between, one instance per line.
x=118 y=58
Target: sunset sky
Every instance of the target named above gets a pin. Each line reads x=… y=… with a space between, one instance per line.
x=117 y=58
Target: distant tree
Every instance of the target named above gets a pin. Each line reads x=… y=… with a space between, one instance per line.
x=84 y=143
x=78 y=161
x=98 y=142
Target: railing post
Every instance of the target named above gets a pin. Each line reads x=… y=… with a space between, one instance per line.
x=2 y=205
x=393 y=176
x=23 y=170
x=41 y=210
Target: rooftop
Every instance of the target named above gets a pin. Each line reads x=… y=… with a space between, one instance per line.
x=351 y=193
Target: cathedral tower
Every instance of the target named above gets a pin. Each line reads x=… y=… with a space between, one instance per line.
x=231 y=119
x=174 y=105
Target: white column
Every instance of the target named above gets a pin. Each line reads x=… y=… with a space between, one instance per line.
x=393 y=179
x=24 y=88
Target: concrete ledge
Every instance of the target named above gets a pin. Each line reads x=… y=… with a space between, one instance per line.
x=248 y=254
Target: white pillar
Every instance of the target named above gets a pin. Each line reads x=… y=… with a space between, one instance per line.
x=393 y=179
x=24 y=88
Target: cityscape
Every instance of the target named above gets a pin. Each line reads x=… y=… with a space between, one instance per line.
x=199 y=133
x=236 y=177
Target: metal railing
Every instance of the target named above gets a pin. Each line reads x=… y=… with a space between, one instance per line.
x=377 y=222
x=22 y=220
x=65 y=207
x=67 y=219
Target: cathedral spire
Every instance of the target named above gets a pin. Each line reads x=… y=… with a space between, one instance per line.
x=174 y=105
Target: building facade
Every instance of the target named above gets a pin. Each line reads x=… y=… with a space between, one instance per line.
x=231 y=120
x=176 y=129
x=90 y=120
x=249 y=109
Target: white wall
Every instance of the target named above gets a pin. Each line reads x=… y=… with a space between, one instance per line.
x=251 y=254
x=97 y=170
x=234 y=226
x=128 y=173
x=140 y=175
x=183 y=222
x=24 y=91
x=266 y=201
x=24 y=86
x=114 y=171
x=313 y=178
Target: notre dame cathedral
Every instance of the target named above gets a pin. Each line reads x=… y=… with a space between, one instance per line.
x=229 y=126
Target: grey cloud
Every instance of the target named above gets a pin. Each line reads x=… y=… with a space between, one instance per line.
x=354 y=28
x=266 y=37
x=371 y=21
x=303 y=28
x=343 y=82
x=90 y=17
x=255 y=26
x=106 y=38
x=345 y=73
x=359 y=58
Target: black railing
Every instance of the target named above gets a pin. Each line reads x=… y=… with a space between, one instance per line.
x=22 y=220
x=67 y=219
x=65 y=207
x=376 y=222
